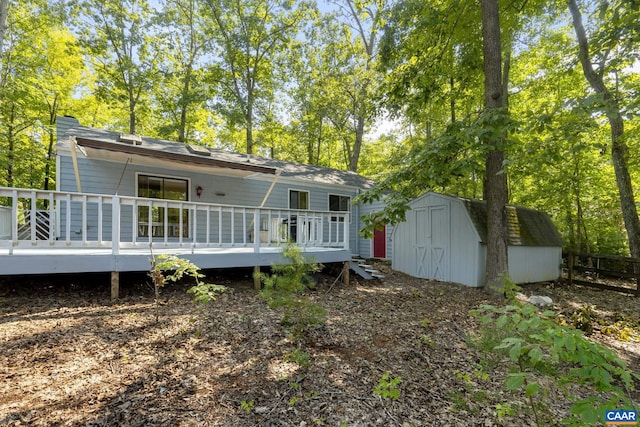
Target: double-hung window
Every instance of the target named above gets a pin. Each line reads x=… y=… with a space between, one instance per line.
x=153 y=220
x=298 y=199
x=339 y=203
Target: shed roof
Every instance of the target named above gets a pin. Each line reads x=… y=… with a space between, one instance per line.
x=184 y=153
x=526 y=227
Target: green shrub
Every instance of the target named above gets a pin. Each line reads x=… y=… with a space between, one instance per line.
x=166 y=267
x=284 y=289
x=536 y=347
x=388 y=388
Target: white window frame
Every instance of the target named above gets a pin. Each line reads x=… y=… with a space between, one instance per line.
x=156 y=175
x=299 y=191
x=160 y=176
x=339 y=195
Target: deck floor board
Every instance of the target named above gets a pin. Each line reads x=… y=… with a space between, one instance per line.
x=51 y=260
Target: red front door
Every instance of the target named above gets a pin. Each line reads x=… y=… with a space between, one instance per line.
x=380 y=242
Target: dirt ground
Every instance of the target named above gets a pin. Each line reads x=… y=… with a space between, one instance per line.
x=71 y=357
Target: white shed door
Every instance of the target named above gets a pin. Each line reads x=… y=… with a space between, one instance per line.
x=432 y=242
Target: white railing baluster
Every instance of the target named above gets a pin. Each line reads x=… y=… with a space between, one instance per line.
x=84 y=220
x=233 y=226
x=68 y=220
x=33 y=218
x=135 y=226
x=115 y=225
x=100 y=201
x=256 y=230
x=165 y=223
x=14 y=220
x=52 y=217
x=345 y=235
x=220 y=226
x=194 y=228
x=73 y=213
x=208 y=224
x=180 y=213
x=244 y=227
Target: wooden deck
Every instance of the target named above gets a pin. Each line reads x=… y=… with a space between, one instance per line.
x=73 y=260
x=46 y=232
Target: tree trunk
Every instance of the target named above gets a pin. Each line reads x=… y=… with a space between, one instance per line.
x=452 y=99
x=11 y=148
x=357 y=145
x=619 y=149
x=52 y=122
x=184 y=104
x=4 y=13
x=132 y=113
x=496 y=182
x=249 y=129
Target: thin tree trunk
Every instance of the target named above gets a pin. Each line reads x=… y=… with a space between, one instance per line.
x=11 y=149
x=452 y=99
x=4 y=13
x=52 y=122
x=249 y=129
x=496 y=183
x=184 y=105
x=355 y=155
x=619 y=149
x=132 y=113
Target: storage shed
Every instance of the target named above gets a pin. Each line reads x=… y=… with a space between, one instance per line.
x=444 y=238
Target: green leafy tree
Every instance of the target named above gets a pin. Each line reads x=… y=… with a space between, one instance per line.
x=618 y=34
x=122 y=43
x=367 y=18
x=558 y=164
x=186 y=83
x=248 y=36
x=40 y=70
x=59 y=75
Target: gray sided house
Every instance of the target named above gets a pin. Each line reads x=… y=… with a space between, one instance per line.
x=380 y=245
x=444 y=238
x=95 y=161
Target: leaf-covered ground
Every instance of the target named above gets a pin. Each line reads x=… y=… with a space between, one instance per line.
x=70 y=356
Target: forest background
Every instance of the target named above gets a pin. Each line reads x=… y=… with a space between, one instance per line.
x=392 y=90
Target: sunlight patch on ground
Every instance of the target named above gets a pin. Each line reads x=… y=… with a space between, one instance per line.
x=280 y=369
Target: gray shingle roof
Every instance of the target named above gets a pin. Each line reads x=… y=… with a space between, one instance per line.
x=527 y=227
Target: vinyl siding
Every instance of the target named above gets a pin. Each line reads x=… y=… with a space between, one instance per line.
x=365 y=245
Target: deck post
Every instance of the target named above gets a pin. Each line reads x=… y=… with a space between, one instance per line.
x=256 y=279
x=115 y=285
x=345 y=273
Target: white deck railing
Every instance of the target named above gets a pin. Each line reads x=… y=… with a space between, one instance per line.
x=99 y=220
